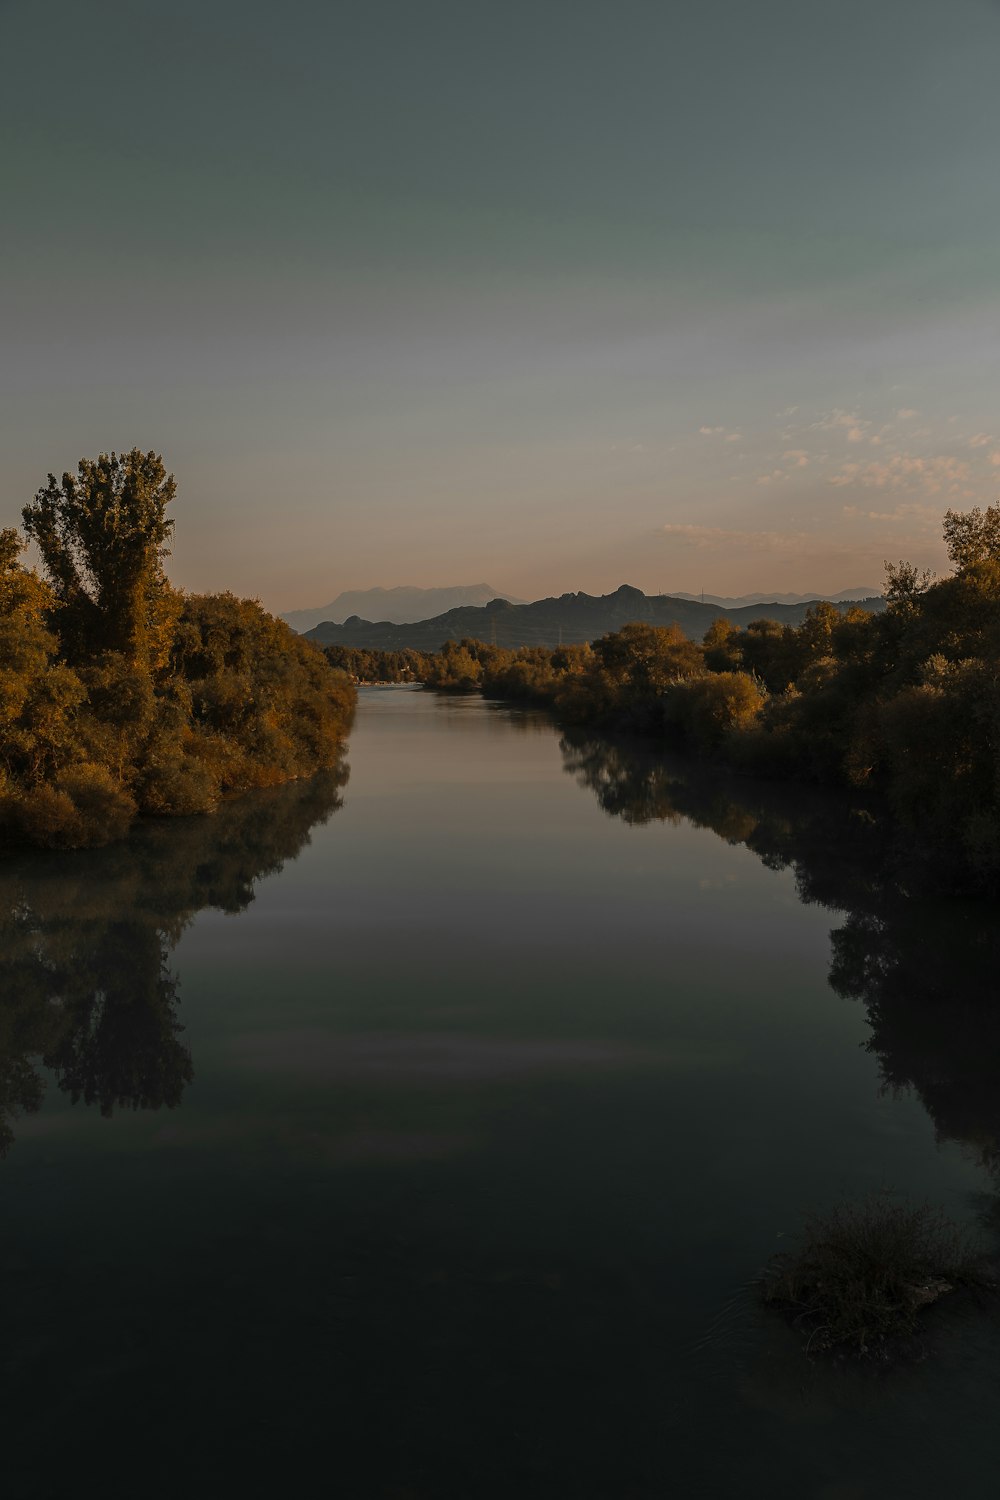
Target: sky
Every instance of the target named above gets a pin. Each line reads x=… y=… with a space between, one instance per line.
x=559 y=295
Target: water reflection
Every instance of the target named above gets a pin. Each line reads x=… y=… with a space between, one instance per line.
x=85 y=987
x=925 y=969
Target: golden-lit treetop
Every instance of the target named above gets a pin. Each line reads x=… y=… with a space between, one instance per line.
x=103 y=535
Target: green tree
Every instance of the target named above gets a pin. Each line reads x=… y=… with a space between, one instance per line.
x=904 y=584
x=648 y=657
x=38 y=697
x=120 y=695
x=718 y=704
x=457 y=667
x=721 y=645
x=972 y=536
x=103 y=536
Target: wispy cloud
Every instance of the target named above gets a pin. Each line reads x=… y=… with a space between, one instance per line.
x=711 y=537
x=905 y=512
x=840 y=420
x=935 y=475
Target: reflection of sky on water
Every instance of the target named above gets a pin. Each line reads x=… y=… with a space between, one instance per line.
x=436 y=1058
x=498 y=1102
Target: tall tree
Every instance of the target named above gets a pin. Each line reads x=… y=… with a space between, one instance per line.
x=972 y=536
x=38 y=697
x=103 y=536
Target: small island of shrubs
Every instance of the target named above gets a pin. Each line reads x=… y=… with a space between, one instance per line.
x=121 y=695
x=863 y=1272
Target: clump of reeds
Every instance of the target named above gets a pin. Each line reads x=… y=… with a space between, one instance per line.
x=863 y=1272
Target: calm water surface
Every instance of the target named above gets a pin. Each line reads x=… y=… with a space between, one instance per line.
x=505 y=1065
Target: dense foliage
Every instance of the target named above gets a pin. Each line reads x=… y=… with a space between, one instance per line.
x=120 y=694
x=905 y=703
x=362 y=665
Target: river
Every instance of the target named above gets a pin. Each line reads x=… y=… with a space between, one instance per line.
x=418 y=1133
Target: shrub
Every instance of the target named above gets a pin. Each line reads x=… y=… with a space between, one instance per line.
x=118 y=693
x=863 y=1272
x=181 y=787
x=713 y=707
x=86 y=807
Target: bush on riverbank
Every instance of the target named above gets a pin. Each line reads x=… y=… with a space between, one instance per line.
x=369 y=666
x=904 y=704
x=864 y=1272
x=120 y=694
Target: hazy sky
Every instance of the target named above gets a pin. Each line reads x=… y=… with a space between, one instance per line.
x=555 y=295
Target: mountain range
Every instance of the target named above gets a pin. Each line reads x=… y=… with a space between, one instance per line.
x=846 y=596
x=569 y=619
x=399 y=606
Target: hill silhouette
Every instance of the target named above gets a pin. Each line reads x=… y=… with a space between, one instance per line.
x=845 y=596
x=569 y=619
x=398 y=606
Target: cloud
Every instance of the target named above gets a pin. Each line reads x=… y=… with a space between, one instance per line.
x=797 y=457
x=710 y=431
x=903 y=513
x=706 y=538
x=733 y=437
x=995 y=458
x=907 y=413
x=980 y=440
x=843 y=547
x=841 y=420
x=906 y=471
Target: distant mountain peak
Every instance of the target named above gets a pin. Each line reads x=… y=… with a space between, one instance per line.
x=400 y=605
x=549 y=622
x=724 y=601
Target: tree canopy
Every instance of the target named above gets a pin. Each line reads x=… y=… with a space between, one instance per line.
x=904 y=703
x=120 y=694
x=103 y=534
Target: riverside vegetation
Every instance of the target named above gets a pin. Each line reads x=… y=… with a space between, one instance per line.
x=863 y=1272
x=120 y=694
x=904 y=704
x=860 y=1275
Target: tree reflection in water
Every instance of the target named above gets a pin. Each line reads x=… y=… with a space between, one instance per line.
x=85 y=987
x=86 y=990
x=924 y=967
